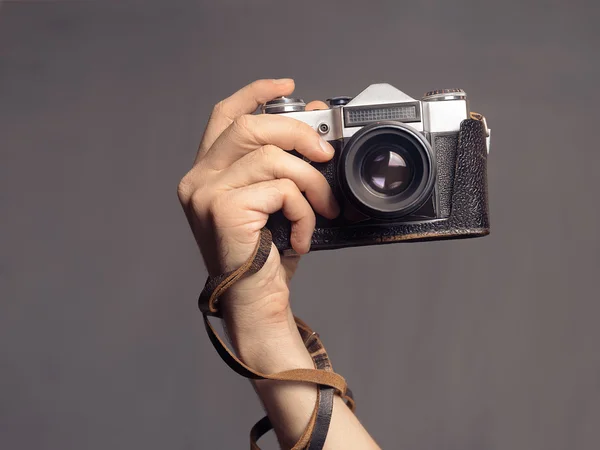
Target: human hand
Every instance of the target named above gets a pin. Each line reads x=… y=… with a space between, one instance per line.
x=243 y=173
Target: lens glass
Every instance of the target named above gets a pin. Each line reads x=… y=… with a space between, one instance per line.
x=386 y=171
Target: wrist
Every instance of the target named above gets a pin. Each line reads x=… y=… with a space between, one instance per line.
x=267 y=346
x=256 y=309
x=286 y=354
x=260 y=323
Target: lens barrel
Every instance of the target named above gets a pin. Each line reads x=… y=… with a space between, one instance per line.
x=387 y=170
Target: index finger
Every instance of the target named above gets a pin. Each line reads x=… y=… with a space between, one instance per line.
x=251 y=132
x=244 y=101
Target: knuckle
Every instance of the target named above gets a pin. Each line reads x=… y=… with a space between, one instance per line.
x=192 y=181
x=267 y=153
x=218 y=205
x=183 y=190
x=287 y=185
x=303 y=128
x=199 y=201
x=218 y=109
x=214 y=205
x=220 y=210
x=242 y=123
x=273 y=197
x=303 y=134
x=262 y=125
x=262 y=159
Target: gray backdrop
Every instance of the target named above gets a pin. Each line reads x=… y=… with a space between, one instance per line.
x=482 y=344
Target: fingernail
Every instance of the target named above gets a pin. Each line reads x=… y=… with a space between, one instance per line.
x=328 y=149
x=282 y=80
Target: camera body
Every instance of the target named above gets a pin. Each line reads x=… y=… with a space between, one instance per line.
x=403 y=169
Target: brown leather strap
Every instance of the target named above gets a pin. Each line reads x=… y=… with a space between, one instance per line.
x=315 y=347
x=329 y=383
x=216 y=286
x=323 y=377
x=316 y=431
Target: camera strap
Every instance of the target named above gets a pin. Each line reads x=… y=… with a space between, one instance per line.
x=328 y=382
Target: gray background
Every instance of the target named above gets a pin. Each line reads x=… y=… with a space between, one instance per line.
x=482 y=344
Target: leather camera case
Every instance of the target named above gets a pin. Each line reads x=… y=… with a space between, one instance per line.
x=465 y=190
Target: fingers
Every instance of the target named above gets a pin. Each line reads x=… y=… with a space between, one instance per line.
x=244 y=101
x=316 y=104
x=248 y=133
x=269 y=197
x=270 y=163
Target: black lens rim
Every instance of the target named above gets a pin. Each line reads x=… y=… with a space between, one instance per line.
x=417 y=151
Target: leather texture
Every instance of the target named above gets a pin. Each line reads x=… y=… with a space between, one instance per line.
x=445 y=155
x=321 y=361
x=469 y=214
x=329 y=383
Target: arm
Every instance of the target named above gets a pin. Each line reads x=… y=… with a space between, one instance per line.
x=243 y=173
x=289 y=406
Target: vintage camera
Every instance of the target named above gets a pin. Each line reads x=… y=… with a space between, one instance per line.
x=403 y=170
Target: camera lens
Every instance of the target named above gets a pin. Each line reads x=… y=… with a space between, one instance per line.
x=387 y=170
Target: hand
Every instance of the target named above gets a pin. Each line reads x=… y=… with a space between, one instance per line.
x=243 y=173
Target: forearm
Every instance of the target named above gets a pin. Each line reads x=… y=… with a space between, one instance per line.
x=290 y=405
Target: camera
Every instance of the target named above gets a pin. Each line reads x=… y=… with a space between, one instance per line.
x=403 y=169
